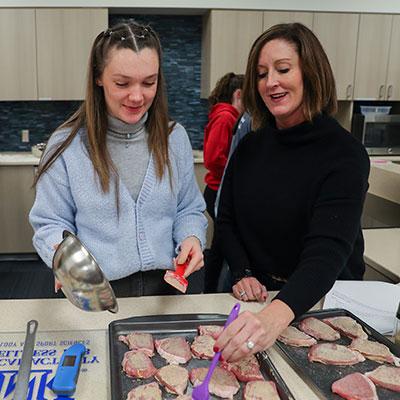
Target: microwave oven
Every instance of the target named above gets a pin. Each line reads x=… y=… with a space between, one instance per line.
x=379 y=133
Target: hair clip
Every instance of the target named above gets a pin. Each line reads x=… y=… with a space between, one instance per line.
x=122 y=38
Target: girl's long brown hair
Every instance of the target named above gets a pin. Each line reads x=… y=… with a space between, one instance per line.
x=92 y=114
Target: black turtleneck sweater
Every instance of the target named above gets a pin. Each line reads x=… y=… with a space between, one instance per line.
x=291 y=205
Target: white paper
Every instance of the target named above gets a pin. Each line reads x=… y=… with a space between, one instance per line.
x=372 y=301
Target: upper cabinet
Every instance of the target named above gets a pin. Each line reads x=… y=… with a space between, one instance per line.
x=18 y=54
x=393 y=71
x=338 y=35
x=64 y=39
x=45 y=52
x=372 y=56
x=272 y=18
x=227 y=38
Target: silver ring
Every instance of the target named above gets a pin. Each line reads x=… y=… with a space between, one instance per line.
x=250 y=345
x=242 y=293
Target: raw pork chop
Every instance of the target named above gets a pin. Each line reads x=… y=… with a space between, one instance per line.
x=174 y=378
x=246 y=369
x=211 y=330
x=355 y=386
x=137 y=364
x=151 y=391
x=374 y=351
x=387 y=377
x=139 y=341
x=174 y=349
x=335 y=354
x=347 y=326
x=223 y=383
x=260 y=390
x=293 y=337
x=318 y=329
x=202 y=347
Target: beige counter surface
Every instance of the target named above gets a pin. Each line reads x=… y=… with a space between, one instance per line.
x=18 y=158
x=60 y=315
x=382 y=251
x=384 y=179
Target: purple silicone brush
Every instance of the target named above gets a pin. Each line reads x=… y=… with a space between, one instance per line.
x=201 y=392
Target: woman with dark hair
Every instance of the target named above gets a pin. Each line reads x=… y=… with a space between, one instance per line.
x=119 y=174
x=293 y=192
x=225 y=108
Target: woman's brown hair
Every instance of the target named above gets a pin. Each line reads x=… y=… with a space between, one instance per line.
x=92 y=114
x=225 y=87
x=318 y=80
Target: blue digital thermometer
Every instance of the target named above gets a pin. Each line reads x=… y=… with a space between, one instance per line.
x=67 y=373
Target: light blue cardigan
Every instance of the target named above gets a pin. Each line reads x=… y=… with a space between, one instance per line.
x=146 y=233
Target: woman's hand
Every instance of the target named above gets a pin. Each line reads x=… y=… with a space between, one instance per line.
x=253 y=332
x=190 y=249
x=250 y=289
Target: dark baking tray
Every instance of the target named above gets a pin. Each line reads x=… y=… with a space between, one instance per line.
x=172 y=325
x=320 y=376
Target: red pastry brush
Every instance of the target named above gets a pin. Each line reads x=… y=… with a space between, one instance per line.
x=175 y=278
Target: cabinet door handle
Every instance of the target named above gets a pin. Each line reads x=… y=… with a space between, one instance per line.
x=349 y=91
x=389 y=91
x=381 y=91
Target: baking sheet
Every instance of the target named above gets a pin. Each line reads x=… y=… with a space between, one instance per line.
x=320 y=376
x=161 y=326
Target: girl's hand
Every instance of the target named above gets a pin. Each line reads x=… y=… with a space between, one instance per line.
x=190 y=249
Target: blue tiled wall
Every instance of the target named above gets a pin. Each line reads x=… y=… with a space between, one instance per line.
x=181 y=41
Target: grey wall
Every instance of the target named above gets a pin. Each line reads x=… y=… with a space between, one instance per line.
x=181 y=40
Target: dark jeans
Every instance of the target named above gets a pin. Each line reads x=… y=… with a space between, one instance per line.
x=147 y=283
x=214 y=257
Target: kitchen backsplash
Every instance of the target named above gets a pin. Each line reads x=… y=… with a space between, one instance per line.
x=181 y=40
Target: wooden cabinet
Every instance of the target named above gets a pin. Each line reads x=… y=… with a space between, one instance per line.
x=278 y=17
x=338 y=34
x=18 y=54
x=227 y=38
x=393 y=71
x=372 y=56
x=17 y=197
x=45 y=52
x=64 y=39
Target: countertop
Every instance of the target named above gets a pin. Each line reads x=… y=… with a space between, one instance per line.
x=384 y=178
x=60 y=316
x=382 y=251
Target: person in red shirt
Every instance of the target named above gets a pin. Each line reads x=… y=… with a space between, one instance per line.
x=225 y=109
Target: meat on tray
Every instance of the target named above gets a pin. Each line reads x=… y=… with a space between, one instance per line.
x=334 y=354
x=150 y=391
x=355 y=386
x=137 y=364
x=211 y=330
x=386 y=377
x=259 y=390
x=174 y=378
x=223 y=383
x=318 y=329
x=294 y=337
x=184 y=397
x=174 y=349
x=347 y=326
x=246 y=369
x=202 y=347
x=139 y=341
x=374 y=351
